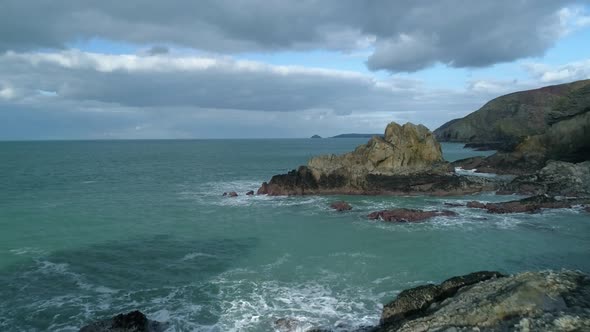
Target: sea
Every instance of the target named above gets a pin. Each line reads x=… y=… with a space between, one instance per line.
x=90 y=229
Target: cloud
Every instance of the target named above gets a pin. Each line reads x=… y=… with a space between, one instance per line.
x=572 y=71
x=402 y=35
x=171 y=96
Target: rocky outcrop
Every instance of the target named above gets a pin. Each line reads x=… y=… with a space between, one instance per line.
x=406 y=160
x=230 y=194
x=134 y=321
x=505 y=121
x=250 y=193
x=487 y=301
x=341 y=206
x=408 y=215
x=527 y=205
x=557 y=178
x=415 y=301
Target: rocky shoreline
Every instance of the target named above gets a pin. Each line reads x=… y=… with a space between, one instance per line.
x=480 y=301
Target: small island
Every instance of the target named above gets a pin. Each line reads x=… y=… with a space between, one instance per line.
x=316 y=136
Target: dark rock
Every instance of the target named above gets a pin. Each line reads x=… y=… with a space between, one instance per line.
x=412 y=302
x=250 y=193
x=232 y=194
x=557 y=178
x=527 y=205
x=316 y=136
x=453 y=204
x=341 y=206
x=408 y=215
x=134 y=321
x=476 y=205
x=587 y=209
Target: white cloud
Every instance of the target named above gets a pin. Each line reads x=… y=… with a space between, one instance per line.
x=572 y=71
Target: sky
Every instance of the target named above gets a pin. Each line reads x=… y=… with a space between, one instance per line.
x=151 y=69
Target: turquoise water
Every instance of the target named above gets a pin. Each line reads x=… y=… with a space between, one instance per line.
x=91 y=229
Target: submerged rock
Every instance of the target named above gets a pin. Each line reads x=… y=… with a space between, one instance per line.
x=488 y=301
x=134 y=321
x=527 y=205
x=341 y=206
x=230 y=194
x=250 y=193
x=408 y=215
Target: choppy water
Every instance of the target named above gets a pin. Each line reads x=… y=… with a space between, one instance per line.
x=91 y=229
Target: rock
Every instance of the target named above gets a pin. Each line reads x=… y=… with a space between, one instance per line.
x=527 y=205
x=231 y=194
x=476 y=205
x=134 y=321
x=286 y=324
x=453 y=204
x=341 y=206
x=316 y=136
x=408 y=215
x=406 y=160
x=587 y=209
x=489 y=301
x=250 y=193
x=557 y=178
x=416 y=300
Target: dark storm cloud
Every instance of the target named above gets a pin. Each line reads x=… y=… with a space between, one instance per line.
x=406 y=35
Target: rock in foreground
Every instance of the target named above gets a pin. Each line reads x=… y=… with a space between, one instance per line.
x=486 y=301
x=134 y=321
x=408 y=215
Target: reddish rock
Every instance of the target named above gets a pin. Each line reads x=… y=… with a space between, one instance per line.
x=250 y=193
x=528 y=205
x=408 y=215
x=341 y=206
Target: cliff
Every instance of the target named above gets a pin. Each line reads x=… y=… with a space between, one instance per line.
x=508 y=120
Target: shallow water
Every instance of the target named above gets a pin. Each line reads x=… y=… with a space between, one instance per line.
x=91 y=229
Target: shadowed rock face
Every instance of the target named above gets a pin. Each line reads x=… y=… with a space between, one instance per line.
x=406 y=160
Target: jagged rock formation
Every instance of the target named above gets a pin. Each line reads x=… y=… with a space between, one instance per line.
x=506 y=121
x=557 y=178
x=487 y=301
x=406 y=160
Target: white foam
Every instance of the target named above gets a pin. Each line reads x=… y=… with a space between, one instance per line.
x=194 y=255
